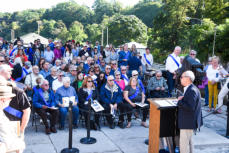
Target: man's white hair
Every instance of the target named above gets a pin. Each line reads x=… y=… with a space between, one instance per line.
x=66 y=79
x=177 y=48
x=189 y=74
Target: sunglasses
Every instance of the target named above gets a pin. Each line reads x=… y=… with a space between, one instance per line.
x=89 y=81
x=113 y=63
x=2 y=61
x=158 y=76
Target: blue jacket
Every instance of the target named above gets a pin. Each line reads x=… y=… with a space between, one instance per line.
x=65 y=92
x=38 y=99
x=106 y=96
x=189 y=109
x=123 y=55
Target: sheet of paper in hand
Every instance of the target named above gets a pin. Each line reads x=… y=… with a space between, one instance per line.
x=96 y=106
x=141 y=104
x=66 y=100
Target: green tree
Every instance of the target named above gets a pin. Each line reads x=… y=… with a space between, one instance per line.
x=94 y=32
x=68 y=12
x=146 y=11
x=123 y=29
x=103 y=8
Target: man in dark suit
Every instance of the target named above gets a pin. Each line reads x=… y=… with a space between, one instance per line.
x=189 y=111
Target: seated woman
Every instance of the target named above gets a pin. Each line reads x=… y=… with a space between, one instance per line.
x=63 y=96
x=77 y=84
x=87 y=92
x=111 y=96
x=157 y=86
x=134 y=94
x=118 y=80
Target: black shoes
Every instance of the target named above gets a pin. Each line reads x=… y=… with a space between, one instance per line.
x=75 y=126
x=121 y=125
x=61 y=128
x=97 y=127
x=112 y=126
x=47 y=131
x=53 y=130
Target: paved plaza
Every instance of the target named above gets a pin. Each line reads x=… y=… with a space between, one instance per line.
x=209 y=140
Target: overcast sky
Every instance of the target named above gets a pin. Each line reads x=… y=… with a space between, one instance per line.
x=18 y=5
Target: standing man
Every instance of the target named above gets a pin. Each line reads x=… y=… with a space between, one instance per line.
x=172 y=64
x=189 y=111
x=124 y=56
x=147 y=60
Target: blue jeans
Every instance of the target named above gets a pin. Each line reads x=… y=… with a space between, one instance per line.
x=206 y=94
x=63 y=113
x=171 y=83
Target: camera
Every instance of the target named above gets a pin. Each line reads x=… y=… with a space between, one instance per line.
x=190 y=64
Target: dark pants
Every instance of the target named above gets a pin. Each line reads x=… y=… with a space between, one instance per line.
x=130 y=109
x=171 y=83
x=158 y=94
x=96 y=117
x=206 y=94
x=121 y=107
x=43 y=114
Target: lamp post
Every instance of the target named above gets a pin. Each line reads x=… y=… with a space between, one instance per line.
x=38 y=27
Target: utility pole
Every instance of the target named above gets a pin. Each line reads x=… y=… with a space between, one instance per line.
x=213 y=49
x=38 y=27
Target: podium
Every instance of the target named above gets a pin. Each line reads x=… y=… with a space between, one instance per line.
x=162 y=122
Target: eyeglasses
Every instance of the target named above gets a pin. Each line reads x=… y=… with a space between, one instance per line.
x=158 y=76
x=110 y=80
x=2 y=61
x=113 y=63
x=89 y=81
x=46 y=84
x=192 y=54
x=123 y=70
x=61 y=75
x=135 y=75
x=108 y=68
x=117 y=74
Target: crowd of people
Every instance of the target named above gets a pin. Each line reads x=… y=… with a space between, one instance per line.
x=52 y=76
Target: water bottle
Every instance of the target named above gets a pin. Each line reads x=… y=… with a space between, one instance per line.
x=176 y=150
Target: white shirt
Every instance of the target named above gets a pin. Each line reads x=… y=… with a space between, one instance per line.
x=56 y=84
x=149 y=57
x=170 y=65
x=185 y=88
x=30 y=80
x=213 y=74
